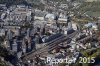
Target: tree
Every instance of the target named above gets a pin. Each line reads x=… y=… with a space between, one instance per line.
x=89 y=53
x=2 y=38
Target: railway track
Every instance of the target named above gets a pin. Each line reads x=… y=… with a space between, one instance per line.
x=48 y=47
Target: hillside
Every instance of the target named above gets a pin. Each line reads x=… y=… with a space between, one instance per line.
x=90 y=8
x=91 y=0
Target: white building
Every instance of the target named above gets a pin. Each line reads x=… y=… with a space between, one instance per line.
x=74 y=26
x=39 y=15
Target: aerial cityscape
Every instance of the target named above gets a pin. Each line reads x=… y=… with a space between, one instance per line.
x=49 y=32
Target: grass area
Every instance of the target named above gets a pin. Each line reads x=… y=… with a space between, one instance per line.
x=82 y=20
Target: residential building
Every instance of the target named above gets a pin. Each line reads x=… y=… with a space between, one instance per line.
x=19 y=13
